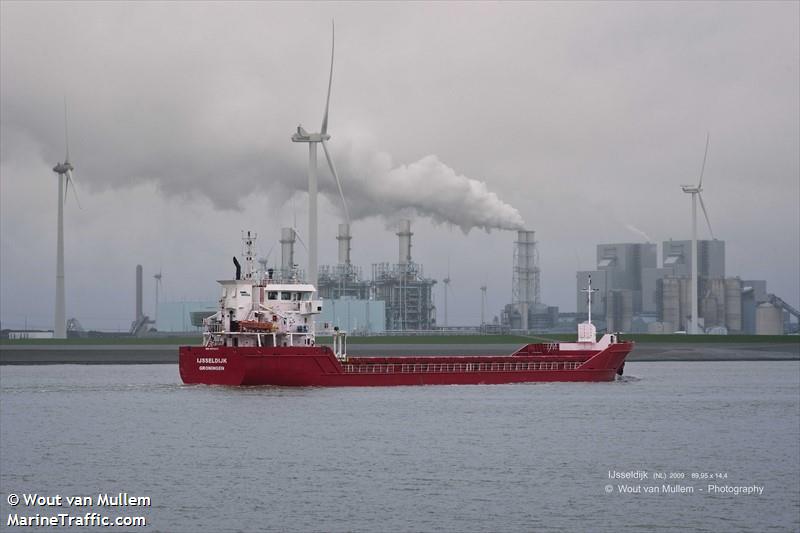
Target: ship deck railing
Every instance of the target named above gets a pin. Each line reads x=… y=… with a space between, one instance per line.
x=417 y=368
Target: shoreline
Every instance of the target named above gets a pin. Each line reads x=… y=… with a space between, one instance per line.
x=168 y=354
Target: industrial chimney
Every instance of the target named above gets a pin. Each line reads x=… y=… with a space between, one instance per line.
x=139 y=312
x=287 y=251
x=344 y=244
x=405 y=241
x=525 y=281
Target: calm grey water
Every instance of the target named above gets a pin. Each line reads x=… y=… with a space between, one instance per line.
x=453 y=458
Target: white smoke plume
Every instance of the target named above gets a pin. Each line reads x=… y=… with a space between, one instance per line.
x=638 y=232
x=373 y=185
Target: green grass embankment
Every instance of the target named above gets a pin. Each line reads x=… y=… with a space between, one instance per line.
x=428 y=339
x=567 y=337
x=103 y=341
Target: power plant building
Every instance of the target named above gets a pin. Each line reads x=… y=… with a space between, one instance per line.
x=357 y=317
x=343 y=280
x=633 y=292
x=407 y=293
x=710 y=258
x=619 y=278
x=182 y=317
x=526 y=312
x=400 y=292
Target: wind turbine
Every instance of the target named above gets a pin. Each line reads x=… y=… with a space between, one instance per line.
x=446 y=282
x=64 y=171
x=695 y=191
x=302 y=136
x=157 y=277
x=483 y=304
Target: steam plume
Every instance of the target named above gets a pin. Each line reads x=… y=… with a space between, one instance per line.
x=428 y=187
x=639 y=232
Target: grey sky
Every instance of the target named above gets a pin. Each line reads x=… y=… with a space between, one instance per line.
x=584 y=117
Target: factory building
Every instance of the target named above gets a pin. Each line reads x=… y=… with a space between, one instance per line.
x=677 y=262
x=634 y=294
x=357 y=317
x=407 y=293
x=343 y=280
x=710 y=258
x=399 y=292
x=182 y=317
x=526 y=312
x=720 y=304
x=619 y=277
x=764 y=313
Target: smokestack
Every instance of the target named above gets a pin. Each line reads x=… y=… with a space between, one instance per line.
x=405 y=241
x=344 y=244
x=238 y=268
x=524 y=281
x=139 y=312
x=287 y=250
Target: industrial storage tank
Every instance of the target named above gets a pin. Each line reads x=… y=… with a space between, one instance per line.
x=733 y=304
x=669 y=298
x=769 y=320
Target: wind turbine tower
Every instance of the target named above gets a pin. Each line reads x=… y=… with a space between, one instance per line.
x=157 y=277
x=302 y=136
x=483 y=305
x=64 y=171
x=446 y=282
x=695 y=191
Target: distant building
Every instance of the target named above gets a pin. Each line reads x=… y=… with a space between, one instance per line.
x=407 y=294
x=30 y=334
x=621 y=268
x=754 y=292
x=677 y=257
x=401 y=290
x=179 y=317
x=361 y=317
x=541 y=317
x=635 y=293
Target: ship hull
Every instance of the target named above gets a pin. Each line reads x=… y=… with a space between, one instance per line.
x=318 y=367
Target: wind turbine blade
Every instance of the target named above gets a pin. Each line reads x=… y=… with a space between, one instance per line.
x=270 y=251
x=299 y=239
x=330 y=81
x=703 y=206
x=74 y=189
x=338 y=183
x=703 y=168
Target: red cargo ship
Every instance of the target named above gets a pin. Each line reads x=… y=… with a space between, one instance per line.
x=264 y=334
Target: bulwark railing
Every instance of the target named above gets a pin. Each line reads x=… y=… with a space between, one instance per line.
x=417 y=368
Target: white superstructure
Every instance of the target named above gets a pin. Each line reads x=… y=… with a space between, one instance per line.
x=257 y=310
x=587 y=333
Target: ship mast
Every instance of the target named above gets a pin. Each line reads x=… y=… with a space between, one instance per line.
x=248 y=250
x=589 y=290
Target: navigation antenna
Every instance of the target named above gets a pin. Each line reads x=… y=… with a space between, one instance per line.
x=587 y=331
x=589 y=290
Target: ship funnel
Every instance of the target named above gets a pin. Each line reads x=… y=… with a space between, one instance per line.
x=287 y=251
x=344 y=244
x=238 y=268
x=405 y=241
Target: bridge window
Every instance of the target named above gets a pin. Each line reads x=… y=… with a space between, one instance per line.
x=285 y=295
x=272 y=295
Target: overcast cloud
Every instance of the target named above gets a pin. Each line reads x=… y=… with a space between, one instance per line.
x=580 y=120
